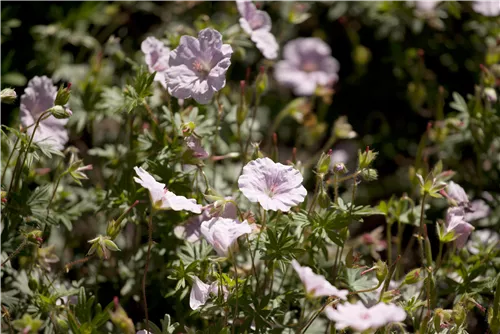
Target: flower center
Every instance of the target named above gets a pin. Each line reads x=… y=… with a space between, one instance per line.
x=271 y=190
x=310 y=67
x=201 y=67
x=364 y=316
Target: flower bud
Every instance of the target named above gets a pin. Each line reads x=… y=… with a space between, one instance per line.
x=8 y=95
x=242 y=111
x=60 y=112
x=120 y=318
x=63 y=95
x=340 y=169
x=261 y=82
x=27 y=324
x=490 y=94
x=382 y=270
x=323 y=164
x=102 y=245
x=187 y=129
x=113 y=229
x=366 y=158
x=34 y=236
x=324 y=200
x=412 y=277
x=342 y=129
x=256 y=154
x=361 y=55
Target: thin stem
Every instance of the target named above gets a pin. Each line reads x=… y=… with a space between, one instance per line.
x=366 y=290
x=54 y=192
x=422 y=231
x=389 y=277
x=8 y=159
x=401 y=229
x=14 y=253
x=254 y=116
x=70 y=265
x=216 y=136
x=150 y=112
x=336 y=188
x=236 y=286
x=316 y=315
x=389 y=243
x=315 y=196
x=440 y=256
x=150 y=243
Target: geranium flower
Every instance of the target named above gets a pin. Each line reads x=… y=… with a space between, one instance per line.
x=257 y=24
x=197 y=67
x=190 y=230
x=156 y=54
x=194 y=144
x=37 y=98
x=317 y=285
x=307 y=64
x=478 y=209
x=200 y=292
x=273 y=185
x=222 y=233
x=455 y=223
x=161 y=198
x=457 y=193
x=360 y=318
x=487 y=8
x=482 y=240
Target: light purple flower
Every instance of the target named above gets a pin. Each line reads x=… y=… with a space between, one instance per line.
x=307 y=64
x=487 y=8
x=163 y=199
x=197 y=67
x=37 y=98
x=457 y=193
x=190 y=230
x=194 y=144
x=156 y=54
x=427 y=6
x=456 y=224
x=483 y=240
x=257 y=24
x=200 y=292
x=360 y=318
x=273 y=185
x=317 y=285
x=222 y=233
x=478 y=209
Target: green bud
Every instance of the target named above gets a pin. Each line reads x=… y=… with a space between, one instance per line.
x=63 y=95
x=242 y=111
x=412 y=277
x=382 y=271
x=361 y=55
x=388 y=296
x=324 y=200
x=261 y=82
x=109 y=244
x=366 y=158
x=256 y=154
x=188 y=129
x=323 y=164
x=459 y=314
x=113 y=229
x=27 y=324
x=33 y=284
x=101 y=246
x=8 y=95
x=340 y=169
x=60 y=112
x=369 y=174
x=34 y=236
x=349 y=258
x=120 y=319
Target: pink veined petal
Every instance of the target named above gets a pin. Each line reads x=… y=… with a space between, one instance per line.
x=199 y=294
x=180 y=203
x=180 y=81
x=202 y=92
x=209 y=39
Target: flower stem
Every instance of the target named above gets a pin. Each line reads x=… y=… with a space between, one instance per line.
x=422 y=231
x=54 y=192
x=254 y=116
x=150 y=243
x=216 y=136
x=236 y=286
x=8 y=159
x=328 y=302
x=389 y=243
x=14 y=253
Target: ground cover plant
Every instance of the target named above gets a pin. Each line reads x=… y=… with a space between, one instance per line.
x=250 y=167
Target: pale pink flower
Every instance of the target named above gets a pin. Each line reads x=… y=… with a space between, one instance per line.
x=273 y=185
x=222 y=233
x=257 y=24
x=457 y=193
x=487 y=8
x=478 y=210
x=200 y=292
x=360 y=318
x=317 y=285
x=156 y=56
x=190 y=230
x=455 y=223
x=163 y=199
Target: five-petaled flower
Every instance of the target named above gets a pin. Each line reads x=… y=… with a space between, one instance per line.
x=273 y=185
x=38 y=97
x=360 y=318
x=161 y=198
x=197 y=67
x=257 y=24
x=317 y=285
x=222 y=233
x=456 y=223
x=156 y=56
x=194 y=144
x=307 y=64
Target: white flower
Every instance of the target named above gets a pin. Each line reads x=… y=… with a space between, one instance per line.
x=37 y=98
x=194 y=144
x=200 y=292
x=487 y=8
x=163 y=199
x=156 y=54
x=273 y=185
x=317 y=285
x=360 y=318
x=482 y=240
x=221 y=233
x=455 y=223
x=257 y=24
x=478 y=210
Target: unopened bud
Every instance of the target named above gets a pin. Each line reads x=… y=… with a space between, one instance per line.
x=413 y=277
x=261 y=82
x=324 y=200
x=63 y=95
x=323 y=164
x=256 y=154
x=120 y=318
x=8 y=95
x=188 y=128
x=60 y=112
x=366 y=158
x=382 y=271
x=339 y=168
